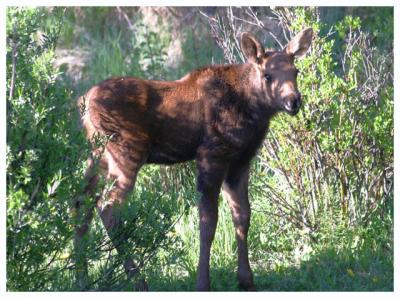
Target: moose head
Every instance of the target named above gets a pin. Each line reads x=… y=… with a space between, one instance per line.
x=276 y=75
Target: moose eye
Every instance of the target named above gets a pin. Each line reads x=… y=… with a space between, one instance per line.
x=268 y=78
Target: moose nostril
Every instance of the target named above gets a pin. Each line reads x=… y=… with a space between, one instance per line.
x=297 y=102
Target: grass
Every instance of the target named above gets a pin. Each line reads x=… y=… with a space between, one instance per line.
x=334 y=264
x=350 y=260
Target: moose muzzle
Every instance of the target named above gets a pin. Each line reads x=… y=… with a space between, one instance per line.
x=292 y=103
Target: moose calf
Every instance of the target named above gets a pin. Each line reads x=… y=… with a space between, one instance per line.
x=217 y=115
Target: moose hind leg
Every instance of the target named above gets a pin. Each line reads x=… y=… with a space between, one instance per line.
x=83 y=213
x=123 y=175
x=235 y=190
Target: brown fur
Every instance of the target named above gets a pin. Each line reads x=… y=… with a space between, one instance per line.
x=217 y=115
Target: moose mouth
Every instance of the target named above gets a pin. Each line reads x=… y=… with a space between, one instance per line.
x=292 y=110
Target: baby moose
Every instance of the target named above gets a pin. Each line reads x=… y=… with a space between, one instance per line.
x=217 y=115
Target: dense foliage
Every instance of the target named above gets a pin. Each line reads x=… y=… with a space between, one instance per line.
x=321 y=186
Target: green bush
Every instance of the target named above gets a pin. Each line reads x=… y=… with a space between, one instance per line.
x=336 y=159
x=46 y=156
x=44 y=149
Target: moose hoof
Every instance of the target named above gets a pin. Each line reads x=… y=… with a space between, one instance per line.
x=247 y=286
x=203 y=287
x=141 y=286
x=246 y=281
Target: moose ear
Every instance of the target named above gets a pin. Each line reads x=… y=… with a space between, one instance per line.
x=299 y=45
x=251 y=47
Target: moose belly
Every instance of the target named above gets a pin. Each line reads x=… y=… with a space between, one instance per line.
x=172 y=151
x=174 y=144
x=167 y=157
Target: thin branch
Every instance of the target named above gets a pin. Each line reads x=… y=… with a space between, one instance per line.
x=14 y=46
x=261 y=25
x=124 y=15
x=33 y=195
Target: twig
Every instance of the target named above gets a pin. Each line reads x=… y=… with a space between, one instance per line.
x=261 y=25
x=33 y=195
x=14 y=45
x=123 y=14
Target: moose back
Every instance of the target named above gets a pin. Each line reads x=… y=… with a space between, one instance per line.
x=217 y=115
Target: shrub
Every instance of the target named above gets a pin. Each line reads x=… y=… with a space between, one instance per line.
x=43 y=150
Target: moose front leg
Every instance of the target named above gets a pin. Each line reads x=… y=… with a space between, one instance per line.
x=208 y=211
x=210 y=176
x=235 y=190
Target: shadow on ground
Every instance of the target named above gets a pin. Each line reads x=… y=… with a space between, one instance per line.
x=327 y=271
